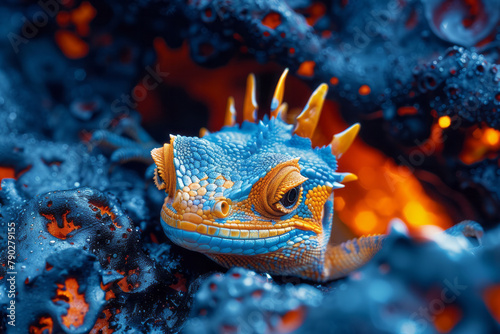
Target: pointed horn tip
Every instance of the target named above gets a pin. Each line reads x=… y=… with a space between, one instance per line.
x=203 y=132
x=278 y=94
x=356 y=127
x=250 y=79
x=349 y=177
x=343 y=140
x=323 y=88
x=250 y=105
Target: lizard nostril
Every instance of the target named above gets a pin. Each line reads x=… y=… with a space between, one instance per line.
x=221 y=209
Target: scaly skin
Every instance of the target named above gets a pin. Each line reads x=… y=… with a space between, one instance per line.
x=258 y=195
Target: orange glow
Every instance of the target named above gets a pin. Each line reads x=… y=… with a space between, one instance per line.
x=446 y=320
x=334 y=81
x=491 y=298
x=491 y=136
x=78 y=308
x=211 y=87
x=101 y=326
x=60 y=232
x=415 y=213
x=364 y=90
x=109 y=293
x=444 y=121
x=6 y=173
x=407 y=110
x=44 y=325
x=82 y=16
x=338 y=203
x=479 y=142
x=365 y=221
x=306 y=69
x=272 y=20
x=315 y=11
x=104 y=210
x=291 y=320
x=71 y=45
x=384 y=190
x=124 y=285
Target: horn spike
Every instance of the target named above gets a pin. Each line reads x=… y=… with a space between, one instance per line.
x=230 y=118
x=203 y=132
x=309 y=117
x=278 y=94
x=250 y=104
x=341 y=141
x=348 y=177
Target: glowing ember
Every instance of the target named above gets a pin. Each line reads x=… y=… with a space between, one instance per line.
x=492 y=300
x=447 y=319
x=60 y=232
x=479 y=143
x=306 y=69
x=102 y=324
x=71 y=45
x=68 y=293
x=6 y=173
x=291 y=320
x=444 y=121
x=364 y=90
x=44 y=325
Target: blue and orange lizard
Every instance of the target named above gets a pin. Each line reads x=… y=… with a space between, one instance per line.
x=259 y=195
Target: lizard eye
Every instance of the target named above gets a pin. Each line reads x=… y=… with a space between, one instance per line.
x=290 y=197
x=280 y=191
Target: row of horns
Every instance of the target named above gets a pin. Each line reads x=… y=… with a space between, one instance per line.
x=306 y=122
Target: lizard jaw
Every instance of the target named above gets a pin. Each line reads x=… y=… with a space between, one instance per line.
x=192 y=232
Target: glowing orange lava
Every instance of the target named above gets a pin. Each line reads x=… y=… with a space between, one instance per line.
x=60 y=232
x=44 y=325
x=6 y=173
x=479 y=142
x=492 y=300
x=384 y=190
x=78 y=308
x=101 y=326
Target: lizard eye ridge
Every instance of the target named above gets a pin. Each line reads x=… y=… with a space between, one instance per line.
x=279 y=192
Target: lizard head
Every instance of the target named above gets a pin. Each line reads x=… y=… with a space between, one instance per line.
x=255 y=190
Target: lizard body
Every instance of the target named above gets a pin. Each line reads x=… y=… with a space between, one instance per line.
x=259 y=195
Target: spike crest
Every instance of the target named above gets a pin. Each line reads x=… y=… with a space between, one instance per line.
x=308 y=119
x=278 y=94
x=343 y=140
x=250 y=104
x=230 y=118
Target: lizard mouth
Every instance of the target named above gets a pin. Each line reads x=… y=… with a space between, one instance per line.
x=192 y=232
